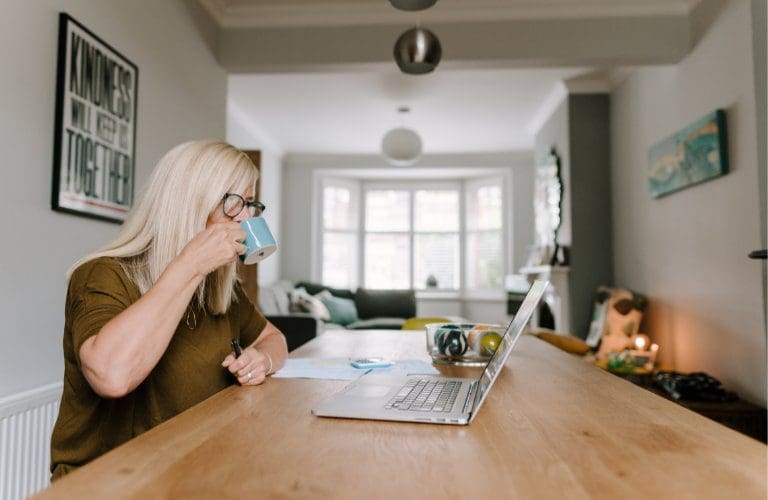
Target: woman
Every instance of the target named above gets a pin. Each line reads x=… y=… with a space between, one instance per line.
x=149 y=319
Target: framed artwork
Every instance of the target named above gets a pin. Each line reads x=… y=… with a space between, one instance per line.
x=547 y=203
x=693 y=155
x=95 y=129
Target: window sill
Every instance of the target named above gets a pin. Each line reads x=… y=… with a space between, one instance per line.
x=472 y=296
x=436 y=295
x=485 y=296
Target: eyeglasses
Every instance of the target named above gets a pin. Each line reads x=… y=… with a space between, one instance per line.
x=233 y=204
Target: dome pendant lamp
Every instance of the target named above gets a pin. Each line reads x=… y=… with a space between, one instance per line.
x=417 y=51
x=401 y=146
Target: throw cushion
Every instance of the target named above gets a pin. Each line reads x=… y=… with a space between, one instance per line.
x=282 y=288
x=273 y=300
x=342 y=311
x=282 y=302
x=267 y=303
x=377 y=324
x=310 y=304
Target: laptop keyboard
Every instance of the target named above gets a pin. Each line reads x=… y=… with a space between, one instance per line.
x=426 y=395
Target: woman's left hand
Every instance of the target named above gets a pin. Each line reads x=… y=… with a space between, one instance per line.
x=251 y=368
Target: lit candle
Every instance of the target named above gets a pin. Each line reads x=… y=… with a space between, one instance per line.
x=654 y=352
x=641 y=341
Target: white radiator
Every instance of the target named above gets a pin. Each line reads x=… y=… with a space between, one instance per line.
x=26 y=423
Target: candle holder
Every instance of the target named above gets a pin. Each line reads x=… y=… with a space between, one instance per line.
x=645 y=358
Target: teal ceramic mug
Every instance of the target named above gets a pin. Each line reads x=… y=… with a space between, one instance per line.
x=259 y=241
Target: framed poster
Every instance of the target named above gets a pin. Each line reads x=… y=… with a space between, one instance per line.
x=94 y=147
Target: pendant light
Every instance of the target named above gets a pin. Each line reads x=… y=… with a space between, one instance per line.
x=412 y=4
x=417 y=51
x=401 y=146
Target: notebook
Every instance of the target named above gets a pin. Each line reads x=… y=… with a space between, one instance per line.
x=435 y=399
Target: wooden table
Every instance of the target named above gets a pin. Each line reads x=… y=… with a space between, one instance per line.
x=552 y=427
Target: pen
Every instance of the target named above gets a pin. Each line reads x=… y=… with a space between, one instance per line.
x=236 y=347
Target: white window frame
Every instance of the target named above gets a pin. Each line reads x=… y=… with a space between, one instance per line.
x=411 y=187
x=503 y=181
x=316 y=265
x=357 y=187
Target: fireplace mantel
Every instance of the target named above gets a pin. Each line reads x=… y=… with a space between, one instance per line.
x=556 y=296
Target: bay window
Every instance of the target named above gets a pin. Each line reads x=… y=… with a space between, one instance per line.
x=427 y=235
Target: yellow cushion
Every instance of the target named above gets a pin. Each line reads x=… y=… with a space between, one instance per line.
x=420 y=323
x=564 y=341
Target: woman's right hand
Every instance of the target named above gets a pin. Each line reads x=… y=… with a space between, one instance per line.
x=217 y=245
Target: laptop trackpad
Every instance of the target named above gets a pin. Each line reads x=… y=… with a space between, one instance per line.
x=369 y=391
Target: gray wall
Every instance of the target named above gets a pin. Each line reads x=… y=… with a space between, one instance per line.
x=688 y=251
x=522 y=213
x=578 y=130
x=182 y=95
x=591 y=249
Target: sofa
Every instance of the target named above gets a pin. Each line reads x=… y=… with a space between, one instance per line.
x=304 y=309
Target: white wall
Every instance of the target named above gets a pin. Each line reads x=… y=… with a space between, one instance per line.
x=243 y=133
x=688 y=251
x=182 y=95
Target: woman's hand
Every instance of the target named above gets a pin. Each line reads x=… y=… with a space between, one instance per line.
x=219 y=244
x=251 y=368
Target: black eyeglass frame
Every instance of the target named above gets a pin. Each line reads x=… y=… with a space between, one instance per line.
x=255 y=208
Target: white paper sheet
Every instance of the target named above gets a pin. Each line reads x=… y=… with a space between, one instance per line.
x=340 y=369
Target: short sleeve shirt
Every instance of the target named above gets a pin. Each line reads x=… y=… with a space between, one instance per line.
x=188 y=372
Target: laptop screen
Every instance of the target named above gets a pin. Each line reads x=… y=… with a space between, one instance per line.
x=508 y=341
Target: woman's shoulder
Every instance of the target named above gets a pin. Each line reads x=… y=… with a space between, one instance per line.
x=100 y=269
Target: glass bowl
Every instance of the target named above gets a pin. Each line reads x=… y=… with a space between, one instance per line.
x=463 y=344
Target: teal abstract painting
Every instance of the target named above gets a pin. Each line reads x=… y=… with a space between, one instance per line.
x=693 y=155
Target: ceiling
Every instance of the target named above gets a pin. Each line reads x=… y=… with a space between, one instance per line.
x=315 y=76
x=453 y=110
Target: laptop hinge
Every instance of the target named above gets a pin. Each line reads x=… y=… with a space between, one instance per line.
x=470 y=396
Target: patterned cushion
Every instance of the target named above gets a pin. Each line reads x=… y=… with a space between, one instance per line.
x=310 y=304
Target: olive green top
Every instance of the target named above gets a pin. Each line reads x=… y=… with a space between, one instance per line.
x=188 y=372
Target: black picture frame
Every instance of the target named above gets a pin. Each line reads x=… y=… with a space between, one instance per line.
x=94 y=147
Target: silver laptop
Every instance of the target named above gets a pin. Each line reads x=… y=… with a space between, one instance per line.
x=423 y=398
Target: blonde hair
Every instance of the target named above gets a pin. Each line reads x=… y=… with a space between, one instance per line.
x=187 y=184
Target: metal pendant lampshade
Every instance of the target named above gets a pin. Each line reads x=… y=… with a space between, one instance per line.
x=401 y=146
x=417 y=51
x=412 y=4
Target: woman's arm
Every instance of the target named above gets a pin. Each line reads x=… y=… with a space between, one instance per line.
x=263 y=357
x=118 y=358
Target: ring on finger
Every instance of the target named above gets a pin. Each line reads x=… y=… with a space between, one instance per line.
x=249 y=376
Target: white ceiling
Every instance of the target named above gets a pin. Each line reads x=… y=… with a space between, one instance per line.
x=455 y=109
